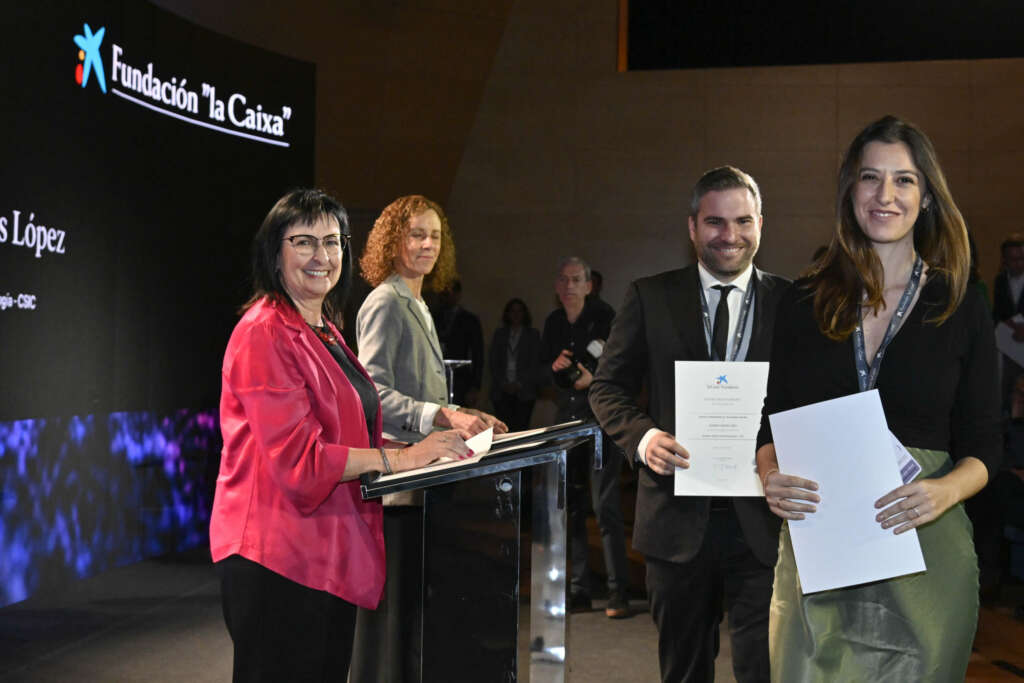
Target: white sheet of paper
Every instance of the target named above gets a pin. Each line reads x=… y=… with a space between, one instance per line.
x=718 y=413
x=1007 y=345
x=844 y=445
x=481 y=443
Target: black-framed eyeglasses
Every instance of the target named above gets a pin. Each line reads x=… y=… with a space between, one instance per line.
x=307 y=245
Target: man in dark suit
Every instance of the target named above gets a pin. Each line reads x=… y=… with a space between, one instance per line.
x=704 y=555
x=462 y=338
x=1009 y=285
x=1007 y=302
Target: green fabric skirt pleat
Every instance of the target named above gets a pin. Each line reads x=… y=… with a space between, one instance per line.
x=912 y=628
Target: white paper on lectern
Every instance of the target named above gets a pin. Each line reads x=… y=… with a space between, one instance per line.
x=844 y=445
x=718 y=413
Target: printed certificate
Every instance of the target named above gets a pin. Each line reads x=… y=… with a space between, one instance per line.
x=718 y=413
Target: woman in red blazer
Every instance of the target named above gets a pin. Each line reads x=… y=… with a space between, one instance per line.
x=296 y=547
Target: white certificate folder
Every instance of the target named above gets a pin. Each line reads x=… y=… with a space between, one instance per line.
x=718 y=414
x=844 y=444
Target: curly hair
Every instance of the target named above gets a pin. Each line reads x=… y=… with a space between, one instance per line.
x=378 y=260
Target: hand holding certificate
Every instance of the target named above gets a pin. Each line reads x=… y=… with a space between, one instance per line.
x=718 y=413
x=845 y=446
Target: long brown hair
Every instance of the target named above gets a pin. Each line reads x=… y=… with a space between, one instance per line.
x=850 y=269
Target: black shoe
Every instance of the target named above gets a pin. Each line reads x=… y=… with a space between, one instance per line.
x=579 y=602
x=618 y=605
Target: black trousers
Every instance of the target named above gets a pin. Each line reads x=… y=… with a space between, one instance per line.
x=688 y=601
x=388 y=641
x=513 y=412
x=281 y=630
x=605 y=498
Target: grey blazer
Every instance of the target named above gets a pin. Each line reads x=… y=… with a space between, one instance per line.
x=401 y=352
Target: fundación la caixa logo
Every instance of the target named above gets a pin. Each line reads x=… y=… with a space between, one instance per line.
x=196 y=104
x=89 y=61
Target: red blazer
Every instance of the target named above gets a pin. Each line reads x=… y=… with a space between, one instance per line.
x=289 y=415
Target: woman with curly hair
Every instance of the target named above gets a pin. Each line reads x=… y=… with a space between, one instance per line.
x=893 y=283
x=296 y=547
x=409 y=248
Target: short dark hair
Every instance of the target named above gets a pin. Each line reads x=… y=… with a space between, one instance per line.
x=301 y=206
x=527 y=320
x=721 y=179
x=1014 y=240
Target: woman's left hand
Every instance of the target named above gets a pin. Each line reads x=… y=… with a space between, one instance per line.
x=914 y=504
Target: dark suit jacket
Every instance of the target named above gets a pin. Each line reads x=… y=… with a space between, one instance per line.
x=462 y=338
x=527 y=363
x=1003 y=305
x=658 y=324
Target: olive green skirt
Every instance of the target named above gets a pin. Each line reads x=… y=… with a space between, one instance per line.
x=911 y=628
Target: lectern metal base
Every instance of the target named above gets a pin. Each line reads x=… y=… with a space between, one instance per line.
x=471 y=578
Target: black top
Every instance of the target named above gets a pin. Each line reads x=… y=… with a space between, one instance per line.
x=594 y=322
x=365 y=388
x=938 y=384
x=1003 y=305
x=462 y=338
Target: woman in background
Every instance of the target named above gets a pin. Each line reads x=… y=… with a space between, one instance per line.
x=515 y=364
x=893 y=285
x=295 y=545
x=409 y=248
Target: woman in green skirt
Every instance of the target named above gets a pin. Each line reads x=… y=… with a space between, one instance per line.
x=892 y=286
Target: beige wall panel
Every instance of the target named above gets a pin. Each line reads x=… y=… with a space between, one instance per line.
x=539 y=44
x=997 y=72
x=789 y=241
x=765 y=117
x=799 y=183
x=998 y=118
x=993 y=209
x=944 y=113
x=942 y=73
x=520 y=108
x=530 y=176
x=804 y=75
x=592 y=56
x=644 y=115
x=620 y=182
x=448 y=45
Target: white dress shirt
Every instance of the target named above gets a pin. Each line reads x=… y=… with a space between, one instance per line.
x=735 y=302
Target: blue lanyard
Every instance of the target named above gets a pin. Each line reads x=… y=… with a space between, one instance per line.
x=741 y=324
x=866 y=377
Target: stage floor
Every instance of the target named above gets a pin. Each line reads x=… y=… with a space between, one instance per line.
x=160 y=620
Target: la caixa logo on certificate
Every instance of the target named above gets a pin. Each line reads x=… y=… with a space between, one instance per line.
x=721 y=382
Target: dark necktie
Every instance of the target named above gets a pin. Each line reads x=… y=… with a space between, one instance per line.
x=720 y=335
